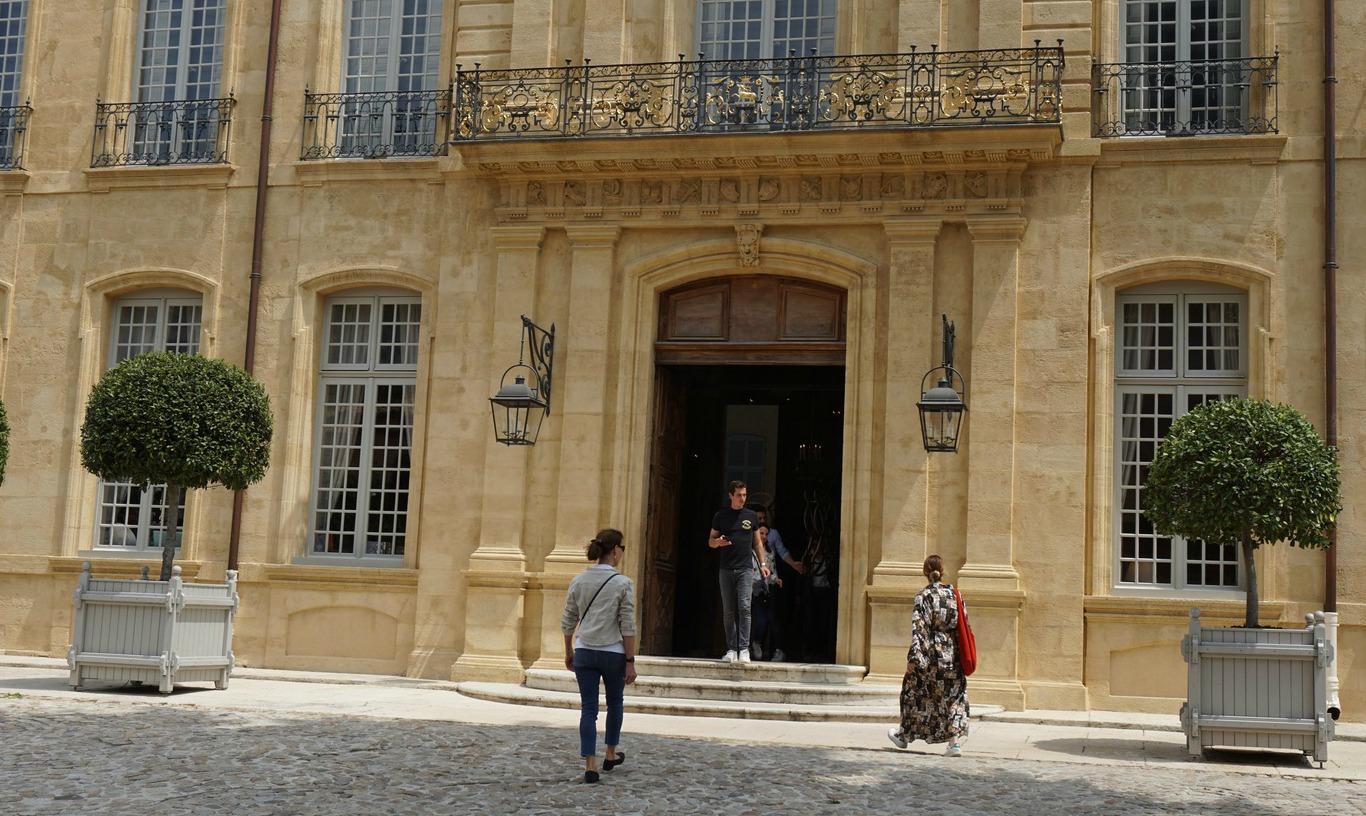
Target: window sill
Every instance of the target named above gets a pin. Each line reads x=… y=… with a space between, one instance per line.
x=141 y=177
x=315 y=172
x=1257 y=148
x=114 y=564
x=342 y=573
x=1174 y=606
x=13 y=182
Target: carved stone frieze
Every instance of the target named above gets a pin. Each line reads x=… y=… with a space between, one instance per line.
x=972 y=188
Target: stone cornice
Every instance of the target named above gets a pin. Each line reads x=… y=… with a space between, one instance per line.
x=13 y=182
x=1250 y=149
x=140 y=176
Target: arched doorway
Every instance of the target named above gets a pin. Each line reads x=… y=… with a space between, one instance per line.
x=749 y=384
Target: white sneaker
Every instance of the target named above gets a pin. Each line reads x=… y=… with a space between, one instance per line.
x=953 y=750
x=744 y=655
x=728 y=657
x=894 y=734
x=778 y=656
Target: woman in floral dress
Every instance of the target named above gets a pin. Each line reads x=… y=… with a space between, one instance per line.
x=934 y=694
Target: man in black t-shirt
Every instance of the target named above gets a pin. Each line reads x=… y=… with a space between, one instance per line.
x=735 y=535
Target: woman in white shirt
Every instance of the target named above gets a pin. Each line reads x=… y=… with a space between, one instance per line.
x=601 y=604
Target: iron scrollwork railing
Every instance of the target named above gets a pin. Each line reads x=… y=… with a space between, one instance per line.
x=924 y=89
x=184 y=131
x=376 y=124
x=1185 y=98
x=13 y=136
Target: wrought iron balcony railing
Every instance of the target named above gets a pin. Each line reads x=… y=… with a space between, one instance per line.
x=13 y=136
x=927 y=89
x=183 y=131
x=375 y=125
x=1185 y=98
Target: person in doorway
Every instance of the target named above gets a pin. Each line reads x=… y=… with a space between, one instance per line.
x=735 y=537
x=780 y=607
x=820 y=609
x=601 y=605
x=764 y=605
x=934 y=693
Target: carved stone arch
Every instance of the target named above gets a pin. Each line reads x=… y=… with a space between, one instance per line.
x=647 y=278
x=97 y=297
x=296 y=463
x=1263 y=322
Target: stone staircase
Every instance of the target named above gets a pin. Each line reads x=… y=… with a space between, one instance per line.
x=710 y=688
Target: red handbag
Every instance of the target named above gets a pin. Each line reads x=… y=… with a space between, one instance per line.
x=967 y=644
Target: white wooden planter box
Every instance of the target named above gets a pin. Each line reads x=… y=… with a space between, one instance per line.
x=162 y=632
x=1257 y=688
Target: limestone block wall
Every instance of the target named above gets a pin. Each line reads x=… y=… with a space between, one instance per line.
x=1028 y=270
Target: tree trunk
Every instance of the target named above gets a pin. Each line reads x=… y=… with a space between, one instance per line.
x=168 y=531
x=1250 y=567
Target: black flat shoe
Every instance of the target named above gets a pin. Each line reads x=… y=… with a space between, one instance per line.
x=609 y=764
x=590 y=776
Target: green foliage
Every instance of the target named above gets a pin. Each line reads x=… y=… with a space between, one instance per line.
x=4 y=442
x=1246 y=472
x=177 y=418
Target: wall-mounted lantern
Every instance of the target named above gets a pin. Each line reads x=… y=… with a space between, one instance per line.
x=519 y=406
x=942 y=407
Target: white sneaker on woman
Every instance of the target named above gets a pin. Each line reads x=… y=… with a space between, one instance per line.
x=894 y=734
x=953 y=750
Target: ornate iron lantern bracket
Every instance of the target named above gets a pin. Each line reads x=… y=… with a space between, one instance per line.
x=518 y=408
x=942 y=407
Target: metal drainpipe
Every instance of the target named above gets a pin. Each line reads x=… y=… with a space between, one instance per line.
x=1330 y=320
x=257 y=244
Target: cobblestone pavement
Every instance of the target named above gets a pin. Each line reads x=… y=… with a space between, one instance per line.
x=75 y=756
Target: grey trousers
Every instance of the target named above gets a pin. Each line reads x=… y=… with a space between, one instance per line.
x=737 y=590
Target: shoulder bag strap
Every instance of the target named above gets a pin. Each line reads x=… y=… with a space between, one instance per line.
x=595 y=596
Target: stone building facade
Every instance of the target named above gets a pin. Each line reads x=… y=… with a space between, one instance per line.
x=1119 y=204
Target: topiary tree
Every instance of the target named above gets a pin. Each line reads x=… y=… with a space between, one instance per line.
x=182 y=419
x=4 y=441
x=1244 y=472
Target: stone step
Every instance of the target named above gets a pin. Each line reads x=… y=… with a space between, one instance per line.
x=521 y=695
x=734 y=684
x=680 y=667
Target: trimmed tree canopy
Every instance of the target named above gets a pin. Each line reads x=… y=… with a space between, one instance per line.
x=4 y=441
x=182 y=419
x=1244 y=472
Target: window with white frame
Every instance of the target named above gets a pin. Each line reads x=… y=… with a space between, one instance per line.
x=1184 y=74
x=364 y=428
x=129 y=517
x=1176 y=348
x=180 y=64
x=765 y=29
x=391 y=63
x=13 y=26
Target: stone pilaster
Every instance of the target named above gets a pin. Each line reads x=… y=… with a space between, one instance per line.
x=903 y=497
x=989 y=580
x=497 y=576
x=581 y=376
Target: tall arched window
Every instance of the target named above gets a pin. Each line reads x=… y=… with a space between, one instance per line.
x=364 y=428
x=1179 y=345
x=129 y=517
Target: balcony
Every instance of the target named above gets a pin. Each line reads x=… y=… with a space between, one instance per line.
x=375 y=125
x=13 y=136
x=932 y=89
x=1190 y=98
x=172 y=132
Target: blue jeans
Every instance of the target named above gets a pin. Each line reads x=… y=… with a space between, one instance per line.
x=590 y=666
x=737 y=588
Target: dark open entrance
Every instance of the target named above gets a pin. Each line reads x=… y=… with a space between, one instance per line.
x=768 y=410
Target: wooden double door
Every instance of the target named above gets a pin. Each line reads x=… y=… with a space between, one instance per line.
x=750 y=382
